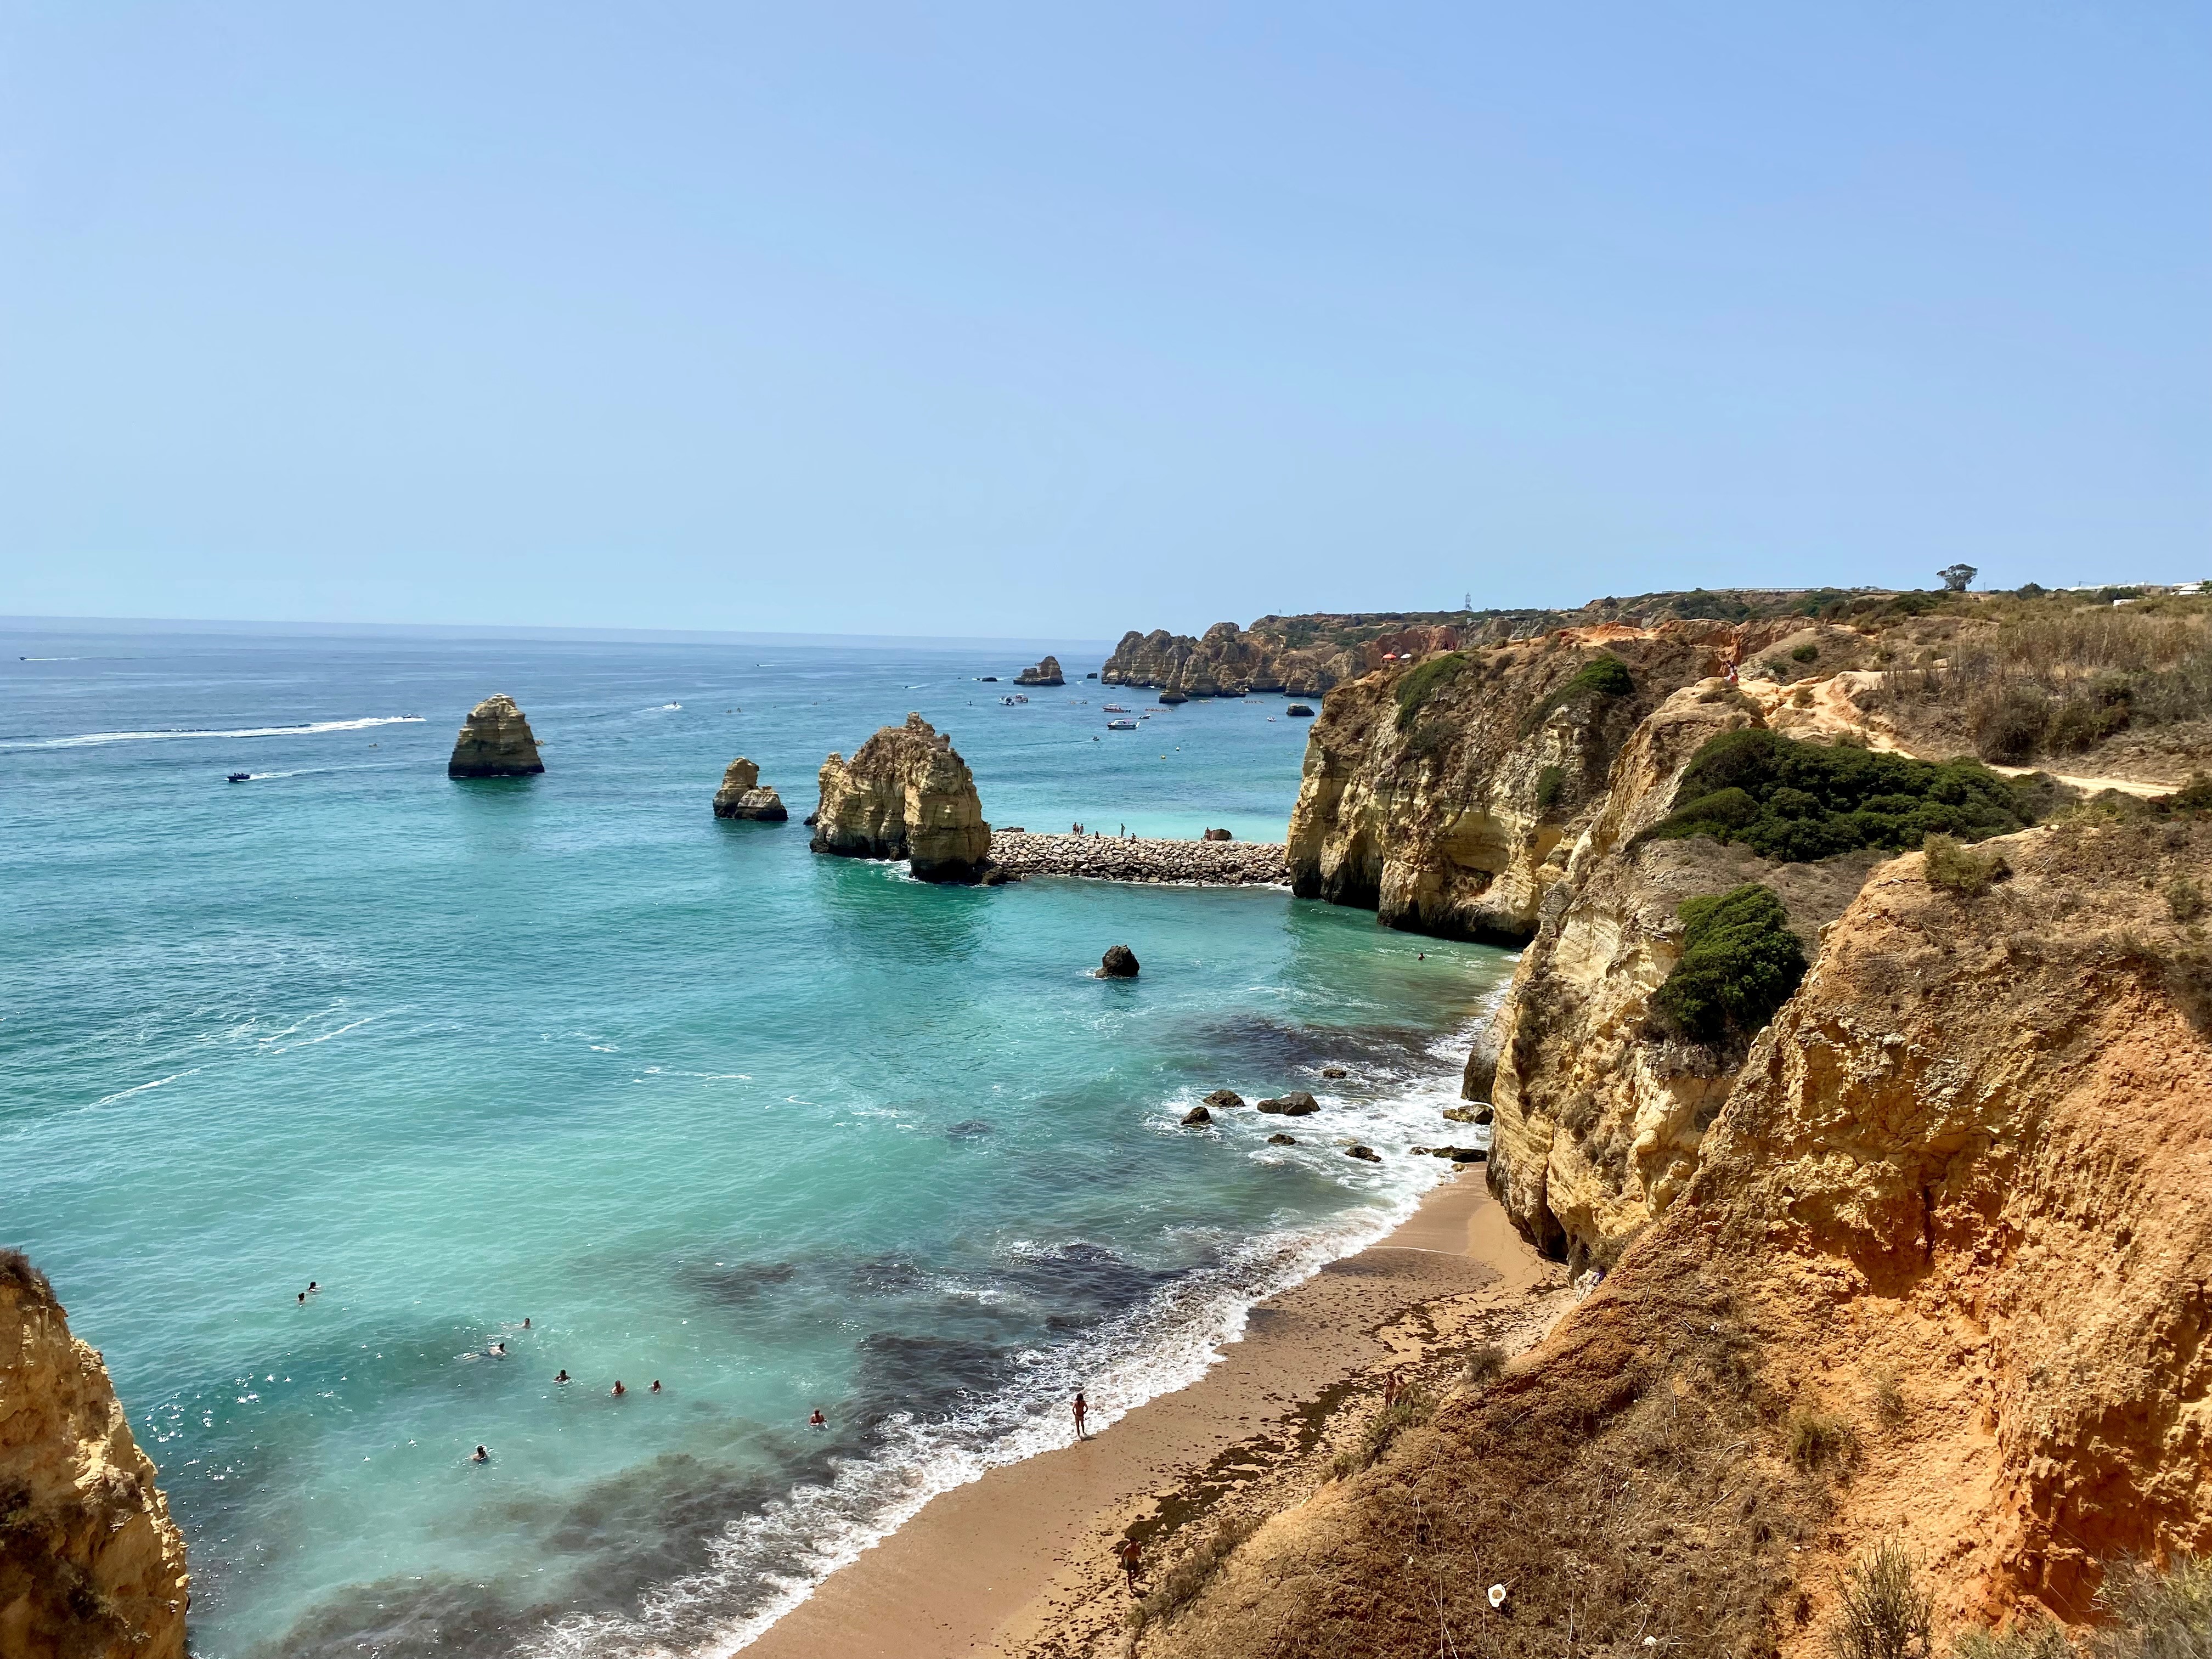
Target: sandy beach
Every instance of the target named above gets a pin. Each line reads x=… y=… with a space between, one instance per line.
x=1021 y=1563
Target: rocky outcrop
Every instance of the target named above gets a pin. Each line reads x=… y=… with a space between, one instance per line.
x=742 y=797
x=494 y=742
x=91 y=1566
x=1599 y=1114
x=1448 y=794
x=1939 y=1279
x=1119 y=962
x=907 y=795
x=1045 y=673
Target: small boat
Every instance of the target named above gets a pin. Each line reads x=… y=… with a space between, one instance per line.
x=240 y=777
x=1121 y=725
x=1115 y=708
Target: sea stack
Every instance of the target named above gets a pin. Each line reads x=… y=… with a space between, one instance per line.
x=495 y=742
x=742 y=797
x=1119 y=962
x=907 y=795
x=93 y=1564
x=1045 y=673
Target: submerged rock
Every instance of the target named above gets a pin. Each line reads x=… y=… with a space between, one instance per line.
x=1045 y=673
x=1282 y=1141
x=1119 y=962
x=742 y=797
x=1366 y=1154
x=1296 y=1103
x=1221 y=1097
x=1299 y=711
x=494 y=742
x=907 y=795
x=1197 y=1114
x=93 y=1565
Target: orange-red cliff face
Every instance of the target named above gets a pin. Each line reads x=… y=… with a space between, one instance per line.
x=91 y=1566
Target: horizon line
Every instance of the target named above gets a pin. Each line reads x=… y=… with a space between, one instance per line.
x=524 y=631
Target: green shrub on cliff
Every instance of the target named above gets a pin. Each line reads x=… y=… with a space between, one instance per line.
x=1740 y=963
x=1802 y=801
x=1417 y=684
x=1601 y=676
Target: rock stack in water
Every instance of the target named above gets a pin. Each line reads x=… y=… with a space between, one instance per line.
x=495 y=742
x=91 y=1564
x=908 y=795
x=1045 y=673
x=742 y=797
x=1119 y=962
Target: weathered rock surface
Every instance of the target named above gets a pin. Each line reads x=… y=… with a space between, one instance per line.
x=1296 y=1103
x=494 y=742
x=1282 y=1141
x=1108 y=858
x=742 y=797
x=1196 y=1115
x=1365 y=1154
x=91 y=1566
x=1221 y=1097
x=1119 y=962
x=1954 y=1207
x=1454 y=816
x=907 y=795
x=1045 y=673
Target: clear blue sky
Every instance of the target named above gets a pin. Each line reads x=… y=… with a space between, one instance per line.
x=1046 y=319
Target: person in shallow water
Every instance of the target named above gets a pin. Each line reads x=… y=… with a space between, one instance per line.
x=1082 y=1410
x=562 y=1376
x=618 y=1391
x=498 y=1351
x=655 y=1389
x=303 y=1299
x=817 y=1421
x=314 y=1288
x=483 y=1455
x=525 y=1322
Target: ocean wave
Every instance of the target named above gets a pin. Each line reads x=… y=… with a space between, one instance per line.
x=766 y=1563
x=310 y=729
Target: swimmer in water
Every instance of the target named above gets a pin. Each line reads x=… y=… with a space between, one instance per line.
x=483 y=1455
x=303 y=1299
x=562 y=1377
x=655 y=1389
x=525 y=1322
x=498 y=1351
x=314 y=1288
x=817 y=1421
x=618 y=1390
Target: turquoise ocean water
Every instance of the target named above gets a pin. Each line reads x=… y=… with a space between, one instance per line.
x=780 y=1131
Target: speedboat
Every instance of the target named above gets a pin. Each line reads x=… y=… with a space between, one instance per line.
x=240 y=777
x=1115 y=708
x=1121 y=725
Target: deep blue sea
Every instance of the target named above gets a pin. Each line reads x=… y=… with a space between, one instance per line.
x=777 y=1130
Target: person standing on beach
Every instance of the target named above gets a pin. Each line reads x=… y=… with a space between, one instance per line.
x=1082 y=1408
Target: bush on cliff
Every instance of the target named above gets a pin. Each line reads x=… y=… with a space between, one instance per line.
x=1802 y=801
x=1417 y=684
x=1740 y=963
x=1603 y=675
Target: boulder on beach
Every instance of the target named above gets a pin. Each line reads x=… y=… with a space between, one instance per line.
x=1219 y=834
x=907 y=795
x=1299 y=711
x=1282 y=1141
x=494 y=742
x=1366 y=1154
x=1221 y=1097
x=742 y=797
x=1119 y=962
x=1196 y=1115
x=1296 y=1103
x=1045 y=673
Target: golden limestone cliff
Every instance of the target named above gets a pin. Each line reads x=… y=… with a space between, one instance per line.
x=1449 y=795
x=1939 y=1282
x=91 y=1566
x=496 y=741
x=907 y=795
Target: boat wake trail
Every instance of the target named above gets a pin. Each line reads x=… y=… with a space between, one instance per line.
x=87 y=739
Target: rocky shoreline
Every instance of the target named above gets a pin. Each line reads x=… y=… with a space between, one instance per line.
x=1108 y=857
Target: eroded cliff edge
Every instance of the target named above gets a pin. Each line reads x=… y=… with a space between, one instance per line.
x=1940 y=1278
x=91 y=1566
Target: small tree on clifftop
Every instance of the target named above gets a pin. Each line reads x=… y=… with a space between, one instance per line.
x=1956 y=576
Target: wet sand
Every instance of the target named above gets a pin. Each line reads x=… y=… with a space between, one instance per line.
x=1021 y=1561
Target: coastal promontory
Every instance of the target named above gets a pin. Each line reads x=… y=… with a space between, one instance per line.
x=907 y=795
x=742 y=797
x=91 y=1566
x=494 y=742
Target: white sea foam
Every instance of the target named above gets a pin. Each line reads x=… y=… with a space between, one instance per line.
x=309 y=729
x=766 y=1563
x=125 y=1094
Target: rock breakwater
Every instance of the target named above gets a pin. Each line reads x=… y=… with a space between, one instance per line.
x=1107 y=858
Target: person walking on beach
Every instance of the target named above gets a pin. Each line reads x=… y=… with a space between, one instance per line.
x=1082 y=1410
x=1133 y=1557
